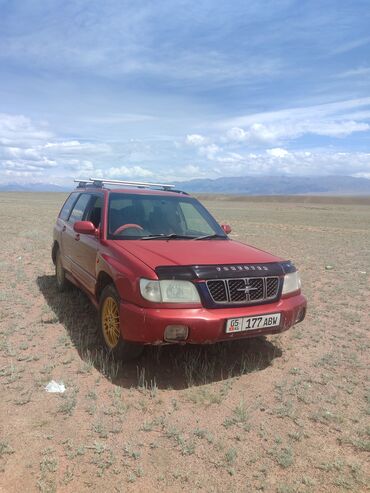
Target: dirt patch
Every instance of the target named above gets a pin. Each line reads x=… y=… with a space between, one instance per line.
x=279 y=414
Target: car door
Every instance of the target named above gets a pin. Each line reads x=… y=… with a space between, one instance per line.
x=86 y=246
x=70 y=239
x=61 y=226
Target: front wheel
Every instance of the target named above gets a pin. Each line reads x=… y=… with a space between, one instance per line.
x=110 y=329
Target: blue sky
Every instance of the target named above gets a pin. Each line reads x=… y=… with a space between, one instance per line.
x=173 y=90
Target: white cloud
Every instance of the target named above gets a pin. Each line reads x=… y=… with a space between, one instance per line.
x=192 y=171
x=351 y=45
x=333 y=128
x=230 y=157
x=362 y=175
x=22 y=174
x=259 y=133
x=356 y=72
x=331 y=120
x=27 y=149
x=255 y=133
x=121 y=118
x=277 y=152
x=209 y=151
x=125 y=171
x=18 y=128
x=195 y=140
x=22 y=153
x=21 y=163
x=237 y=134
x=203 y=145
x=204 y=65
x=79 y=165
x=316 y=112
x=74 y=146
x=280 y=161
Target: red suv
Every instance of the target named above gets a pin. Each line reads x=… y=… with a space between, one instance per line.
x=160 y=269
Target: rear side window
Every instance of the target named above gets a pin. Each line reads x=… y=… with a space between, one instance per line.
x=80 y=208
x=95 y=210
x=68 y=204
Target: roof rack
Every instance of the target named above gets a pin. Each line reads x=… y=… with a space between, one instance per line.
x=100 y=182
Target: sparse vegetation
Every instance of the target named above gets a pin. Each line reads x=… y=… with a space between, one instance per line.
x=283 y=414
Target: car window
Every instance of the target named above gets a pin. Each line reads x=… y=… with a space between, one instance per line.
x=195 y=222
x=133 y=216
x=80 y=208
x=68 y=204
x=95 y=208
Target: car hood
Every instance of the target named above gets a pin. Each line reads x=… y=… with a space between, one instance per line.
x=155 y=253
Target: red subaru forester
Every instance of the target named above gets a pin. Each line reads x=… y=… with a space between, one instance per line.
x=161 y=270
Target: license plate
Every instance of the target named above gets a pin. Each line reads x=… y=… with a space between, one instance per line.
x=252 y=323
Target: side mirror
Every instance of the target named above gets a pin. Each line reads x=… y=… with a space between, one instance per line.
x=226 y=228
x=84 y=227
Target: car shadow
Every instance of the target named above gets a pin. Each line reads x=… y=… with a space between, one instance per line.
x=171 y=366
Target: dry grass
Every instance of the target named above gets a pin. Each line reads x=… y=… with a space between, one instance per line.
x=283 y=414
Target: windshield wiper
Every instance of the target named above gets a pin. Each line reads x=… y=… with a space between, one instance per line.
x=172 y=236
x=210 y=237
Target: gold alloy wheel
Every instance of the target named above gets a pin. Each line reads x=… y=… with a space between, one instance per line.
x=110 y=322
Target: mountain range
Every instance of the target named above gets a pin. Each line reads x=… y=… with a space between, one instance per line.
x=279 y=185
x=33 y=187
x=243 y=185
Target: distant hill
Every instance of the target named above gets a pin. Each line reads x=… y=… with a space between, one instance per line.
x=279 y=185
x=33 y=187
x=243 y=185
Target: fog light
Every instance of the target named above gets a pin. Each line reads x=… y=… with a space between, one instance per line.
x=176 y=333
x=300 y=315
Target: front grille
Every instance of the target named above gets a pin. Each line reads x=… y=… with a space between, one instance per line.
x=247 y=290
x=218 y=291
x=272 y=286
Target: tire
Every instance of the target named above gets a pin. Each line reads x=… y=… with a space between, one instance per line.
x=60 y=273
x=110 y=331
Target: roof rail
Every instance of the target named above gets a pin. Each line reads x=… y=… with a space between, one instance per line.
x=99 y=182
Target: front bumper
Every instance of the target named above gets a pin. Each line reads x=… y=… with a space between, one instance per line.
x=206 y=326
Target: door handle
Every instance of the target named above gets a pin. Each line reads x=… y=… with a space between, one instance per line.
x=77 y=237
x=64 y=228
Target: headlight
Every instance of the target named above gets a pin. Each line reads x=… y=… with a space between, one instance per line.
x=171 y=291
x=292 y=282
x=179 y=291
x=150 y=290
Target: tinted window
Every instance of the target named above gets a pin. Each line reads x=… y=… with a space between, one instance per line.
x=95 y=208
x=194 y=220
x=146 y=215
x=68 y=204
x=80 y=208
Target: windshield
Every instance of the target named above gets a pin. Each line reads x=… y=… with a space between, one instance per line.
x=146 y=217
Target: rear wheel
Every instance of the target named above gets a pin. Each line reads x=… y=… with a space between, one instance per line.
x=60 y=273
x=110 y=329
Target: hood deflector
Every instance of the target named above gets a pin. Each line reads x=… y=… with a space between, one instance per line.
x=192 y=272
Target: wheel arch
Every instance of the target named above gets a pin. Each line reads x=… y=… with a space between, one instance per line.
x=104 y=279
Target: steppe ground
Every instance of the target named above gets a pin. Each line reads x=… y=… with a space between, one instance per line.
x=280 y=414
